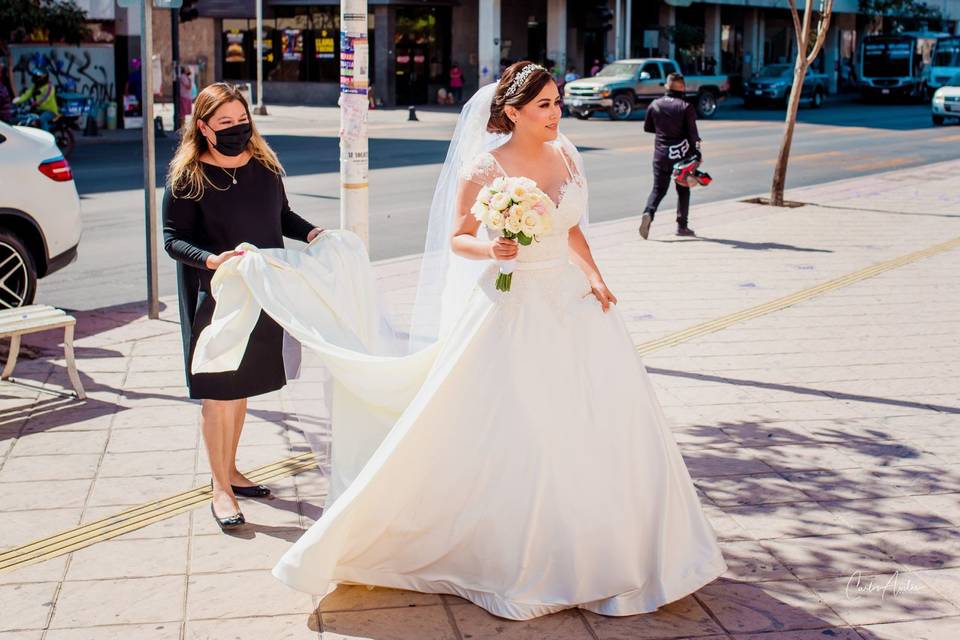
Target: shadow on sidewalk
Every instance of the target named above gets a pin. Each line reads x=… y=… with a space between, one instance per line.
x=760 y=246
x=825 y=393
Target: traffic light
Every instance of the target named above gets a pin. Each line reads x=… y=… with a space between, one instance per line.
x=599 y=15
x=188 y=10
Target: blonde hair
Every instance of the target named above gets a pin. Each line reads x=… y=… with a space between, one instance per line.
x=185 y=177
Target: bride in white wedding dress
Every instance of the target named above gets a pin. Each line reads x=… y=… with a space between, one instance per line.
x=520 y=460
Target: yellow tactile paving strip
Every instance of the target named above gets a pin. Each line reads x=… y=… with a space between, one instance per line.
x=138 y=517
x=151 y=512
x=723 y=322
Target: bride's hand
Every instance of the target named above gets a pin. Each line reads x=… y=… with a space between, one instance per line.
x=599 y=289
x=504 y=249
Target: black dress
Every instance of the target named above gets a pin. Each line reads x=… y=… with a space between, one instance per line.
x=253 y=210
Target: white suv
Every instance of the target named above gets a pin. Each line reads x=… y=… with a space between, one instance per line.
x=39 y=212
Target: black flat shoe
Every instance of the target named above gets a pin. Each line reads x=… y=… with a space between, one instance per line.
x=256 y=491
x=228 y=524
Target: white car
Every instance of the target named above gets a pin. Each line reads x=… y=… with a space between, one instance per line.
x=946 y=101
x=39 y=212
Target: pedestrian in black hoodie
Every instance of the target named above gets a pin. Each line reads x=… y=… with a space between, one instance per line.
x=674 y=121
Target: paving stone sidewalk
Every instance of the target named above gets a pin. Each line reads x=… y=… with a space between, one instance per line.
x=823 y=437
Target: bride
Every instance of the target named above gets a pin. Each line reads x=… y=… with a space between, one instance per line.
x=516 y=454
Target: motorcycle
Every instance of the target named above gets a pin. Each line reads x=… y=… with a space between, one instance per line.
x=72 y=107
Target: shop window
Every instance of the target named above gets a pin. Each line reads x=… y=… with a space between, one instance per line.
x=300 y=44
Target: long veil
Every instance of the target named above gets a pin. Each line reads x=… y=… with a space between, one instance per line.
x=447 y=280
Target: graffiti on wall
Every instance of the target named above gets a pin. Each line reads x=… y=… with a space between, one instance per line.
x=86 y=69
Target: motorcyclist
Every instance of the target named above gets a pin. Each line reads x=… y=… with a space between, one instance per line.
x=674 y=121
x=41 y=97
x=6 y=95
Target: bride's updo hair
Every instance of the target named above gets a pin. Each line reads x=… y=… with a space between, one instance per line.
x=521 y=91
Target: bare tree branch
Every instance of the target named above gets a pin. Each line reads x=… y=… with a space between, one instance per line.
x=796 y=17
x=802 y=50
x=826 y=13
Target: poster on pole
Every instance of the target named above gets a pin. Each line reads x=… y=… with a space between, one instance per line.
x=354 y=63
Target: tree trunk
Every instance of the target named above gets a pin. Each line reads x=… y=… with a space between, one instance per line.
x=780 y=171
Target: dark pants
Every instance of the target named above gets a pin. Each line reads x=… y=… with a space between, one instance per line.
x=662 y=177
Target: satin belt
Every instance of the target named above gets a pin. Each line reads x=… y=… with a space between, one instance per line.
x=536 y=265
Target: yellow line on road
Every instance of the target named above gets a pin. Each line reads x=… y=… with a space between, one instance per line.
x=151 y=512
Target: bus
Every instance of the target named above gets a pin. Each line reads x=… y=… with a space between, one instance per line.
x=945 y=63
x=896 y=65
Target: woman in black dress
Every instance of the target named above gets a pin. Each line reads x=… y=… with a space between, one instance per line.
x=224 y=187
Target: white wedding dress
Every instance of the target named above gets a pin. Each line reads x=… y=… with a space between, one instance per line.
x=523 y=462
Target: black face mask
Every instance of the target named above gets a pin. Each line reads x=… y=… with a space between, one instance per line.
x=232 y=141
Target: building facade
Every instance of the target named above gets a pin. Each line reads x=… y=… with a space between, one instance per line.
x=415 y=43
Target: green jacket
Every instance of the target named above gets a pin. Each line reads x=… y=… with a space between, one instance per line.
x=44 y=100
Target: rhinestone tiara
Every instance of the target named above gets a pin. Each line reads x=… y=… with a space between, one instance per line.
x=521 y=77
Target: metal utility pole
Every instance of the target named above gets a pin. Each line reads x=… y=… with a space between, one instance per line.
x=617 y=31
x=149 y=161
x=175 y=54
x=259 y=109
x=627 y=31
x=354 y=107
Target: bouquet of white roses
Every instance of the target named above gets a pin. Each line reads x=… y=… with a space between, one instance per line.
x=516 y=208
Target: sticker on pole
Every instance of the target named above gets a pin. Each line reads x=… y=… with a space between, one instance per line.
x=354 y=63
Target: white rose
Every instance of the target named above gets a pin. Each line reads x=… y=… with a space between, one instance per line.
x=513 y=224
x=495 y=220
x=519 y=191
x=499 y=183
x=531 y=224
x=500 y=201
x=484 y=195
x=479 y=211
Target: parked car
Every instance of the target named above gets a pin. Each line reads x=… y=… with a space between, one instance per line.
x=946 y=101
x=624 y=85
x=39 y=212
x=772 y=85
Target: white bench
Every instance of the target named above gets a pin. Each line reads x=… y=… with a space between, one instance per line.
x=34 y=319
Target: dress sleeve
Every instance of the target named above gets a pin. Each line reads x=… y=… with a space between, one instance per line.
x=570 y=162
x=291 y=224
x=482 y=171
x=180 y=222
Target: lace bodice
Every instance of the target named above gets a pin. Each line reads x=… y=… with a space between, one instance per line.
x=569 y=204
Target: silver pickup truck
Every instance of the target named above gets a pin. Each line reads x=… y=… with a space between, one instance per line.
x=624 y=85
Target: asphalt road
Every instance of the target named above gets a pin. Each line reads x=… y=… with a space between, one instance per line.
x=844 y=139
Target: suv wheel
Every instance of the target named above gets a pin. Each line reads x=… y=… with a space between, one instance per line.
x=622 y=107
x=818 y=98
x=18 y=275
x=706 y=104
